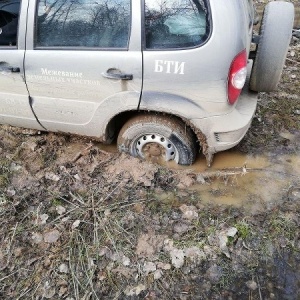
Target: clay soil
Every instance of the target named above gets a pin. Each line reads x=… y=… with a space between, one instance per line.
x=80 y=222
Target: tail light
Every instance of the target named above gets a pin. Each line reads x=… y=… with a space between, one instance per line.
x=237 y=76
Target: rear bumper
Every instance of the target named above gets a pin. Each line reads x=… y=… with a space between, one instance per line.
x=225 y=131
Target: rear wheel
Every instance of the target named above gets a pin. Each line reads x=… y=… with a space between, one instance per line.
x=157 y=137
x=275 y=36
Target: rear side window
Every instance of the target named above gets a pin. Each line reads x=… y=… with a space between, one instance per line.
x=9 y=18
x=83 y=23
x=175 y=24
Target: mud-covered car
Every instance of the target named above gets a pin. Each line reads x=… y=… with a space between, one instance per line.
x=167 y=79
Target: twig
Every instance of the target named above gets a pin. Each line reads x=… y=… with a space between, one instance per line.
x=82 y=153
x=108 y=196
x=74 y=278
x=3 y=278
x=66 y=213
x=10 y=246
x=259 y=290
x=293 y=61
x=88 y=274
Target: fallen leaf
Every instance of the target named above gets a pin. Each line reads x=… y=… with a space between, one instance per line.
x=157 y=274
x=149 y=244
x=52 y=176
x=163 y=266
x=62 y=291
x=60 y=210
x=135 y=291
x=177 y=257
x=43 y=218
x=194 y=254
x=149 y=267
x=189 y=212
x=223 y=239
x=75 y=224
x=51 y=236
x=126 y=272
x=37 y=238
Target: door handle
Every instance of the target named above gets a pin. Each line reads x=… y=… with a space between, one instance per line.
x=111 y=74
x=14 y=69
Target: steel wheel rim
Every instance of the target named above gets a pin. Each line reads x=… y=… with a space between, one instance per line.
x=166 y=146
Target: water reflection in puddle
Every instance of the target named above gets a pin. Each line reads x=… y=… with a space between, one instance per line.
x=255 y=182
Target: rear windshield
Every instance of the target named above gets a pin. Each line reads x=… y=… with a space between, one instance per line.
x=9 y=17
x=171 y=24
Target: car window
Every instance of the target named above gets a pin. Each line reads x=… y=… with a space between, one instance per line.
x=83 y=23
x=9 y=18
x=175 y=23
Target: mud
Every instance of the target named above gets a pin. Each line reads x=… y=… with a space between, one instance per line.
x=80 y=221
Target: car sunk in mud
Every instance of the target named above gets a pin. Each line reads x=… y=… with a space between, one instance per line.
x=157 y=75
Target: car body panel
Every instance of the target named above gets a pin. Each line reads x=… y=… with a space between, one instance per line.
x=67 y=86
x=204 y=77
x=14 y=98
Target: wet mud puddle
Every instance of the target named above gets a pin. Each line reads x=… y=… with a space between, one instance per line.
x=254 y=182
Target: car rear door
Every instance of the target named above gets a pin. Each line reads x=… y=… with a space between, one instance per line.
x=83 y=62
x=14 y=99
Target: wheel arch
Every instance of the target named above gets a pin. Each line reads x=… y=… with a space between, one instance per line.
x=116 y=123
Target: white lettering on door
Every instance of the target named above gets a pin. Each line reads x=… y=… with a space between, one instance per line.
x=169 y=67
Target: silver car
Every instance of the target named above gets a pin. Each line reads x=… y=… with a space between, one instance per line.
x=165 y=78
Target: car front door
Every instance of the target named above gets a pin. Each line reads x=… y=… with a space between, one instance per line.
x=83 y=62
x=14 y=99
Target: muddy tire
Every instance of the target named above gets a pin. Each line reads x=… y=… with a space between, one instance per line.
x=275 y=36
x=157 y=137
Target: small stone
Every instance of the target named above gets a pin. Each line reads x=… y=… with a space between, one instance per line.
x=125 y=261
x=252 y=285
x=107 y=212
x=77 y=177
x=10 y=192
x=49 y=293
x=294 y=194
x=60 y=210
x=63 y=268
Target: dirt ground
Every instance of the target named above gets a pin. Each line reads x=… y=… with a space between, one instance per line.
x=81 y=222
